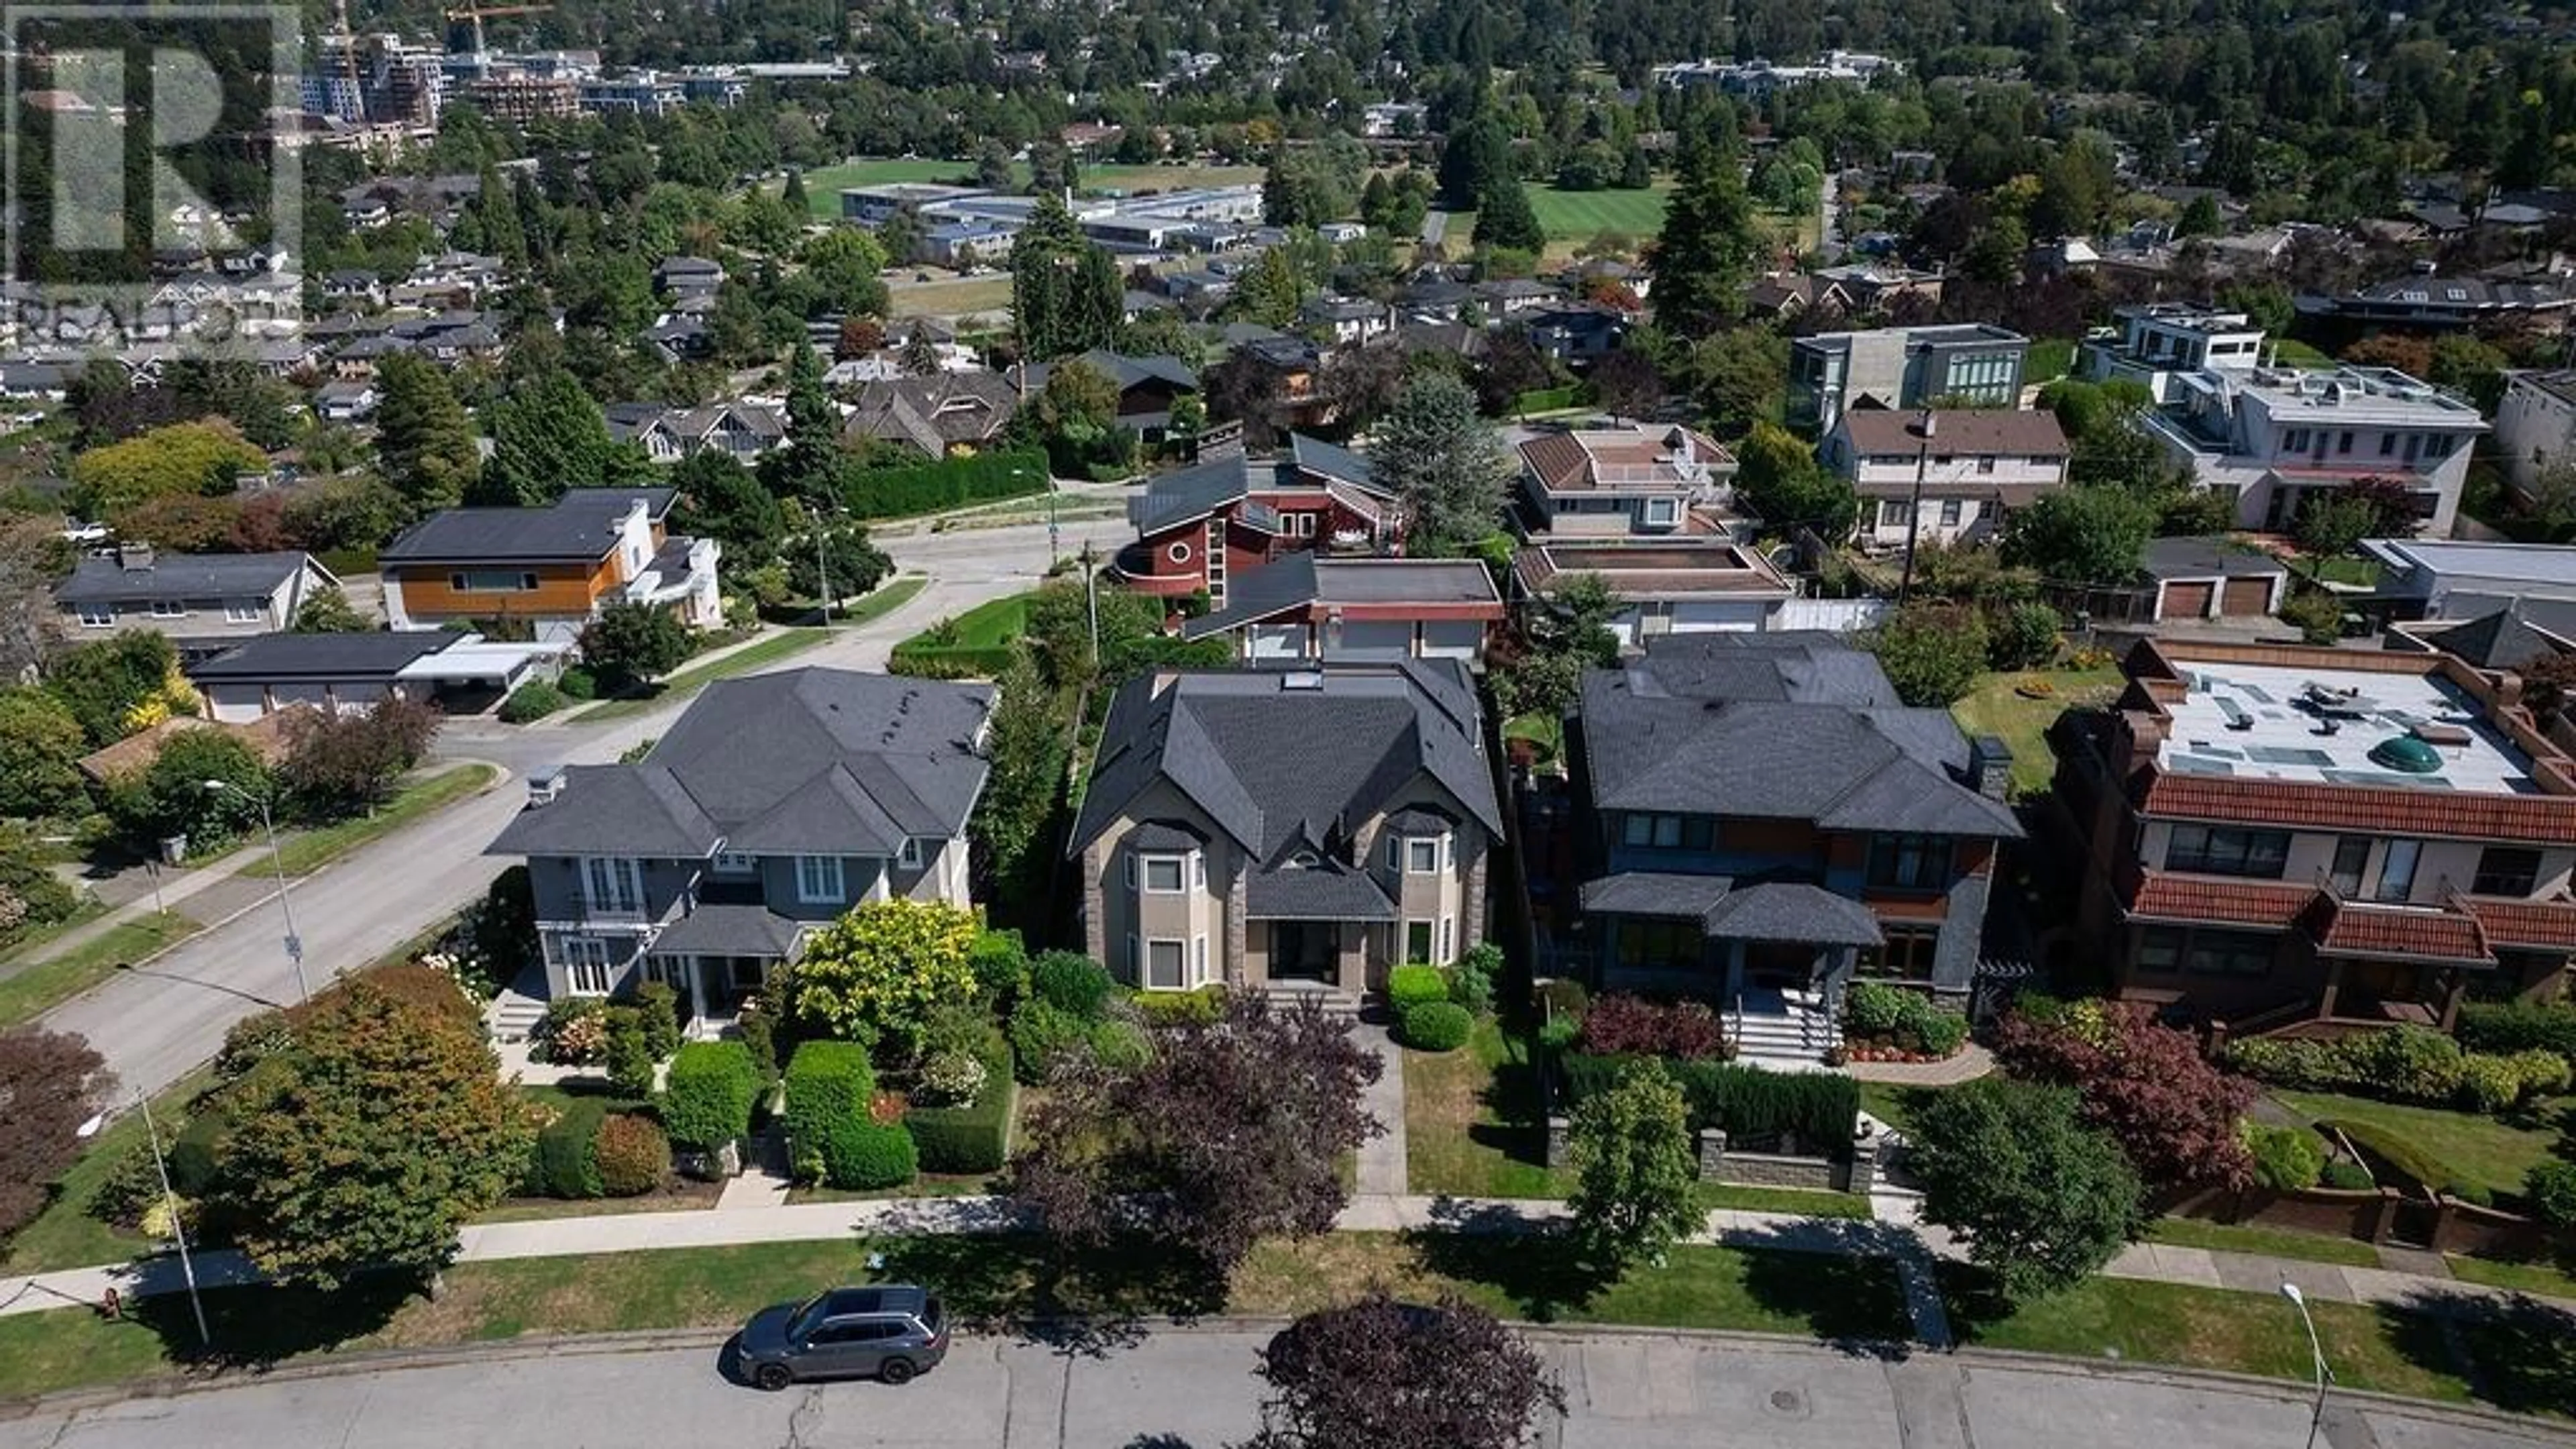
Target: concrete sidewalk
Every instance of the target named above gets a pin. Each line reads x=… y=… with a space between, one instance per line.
x=1913 y=1250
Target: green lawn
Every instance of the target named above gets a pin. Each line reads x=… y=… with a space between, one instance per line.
x=64 y=1235
x=2290 y=352
x=2476 y=1149
x=750 y=659
x=2542 y=1278
x=1579 y=216
x=2232 y=1238
x=984 y=1280
x=950 y=297
x=2211 y=1328
x=988 y=625
x=2050 y=359
x=1998 y=707
x=2342 y=569
x=309 y=850
x=47 y=983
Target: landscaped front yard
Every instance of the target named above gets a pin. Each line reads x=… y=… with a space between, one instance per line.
x=2489 y=1152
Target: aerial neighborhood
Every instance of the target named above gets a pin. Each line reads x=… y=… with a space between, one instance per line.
x=1377 y=710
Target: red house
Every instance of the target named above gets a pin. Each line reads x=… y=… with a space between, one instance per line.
x=1200 y=527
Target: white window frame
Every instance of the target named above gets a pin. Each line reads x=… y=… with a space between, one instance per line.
x=821 y=880
x=1430 y=938
x=98 y=616
x=613 y=885
x=1951 y=509
x=1178 y=553
x=462 y=581
x=1180 y=874
x=169 y=608
x=244 y=611
x=1893 y=512
x=735 y=862
x=585 y=963
x=1448 y=940
x=1198 y=960
x=1180 y=964
x=908 y=855
x=1664 y=511
x=1418 y=848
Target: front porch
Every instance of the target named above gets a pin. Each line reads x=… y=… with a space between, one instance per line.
x=1775 y=957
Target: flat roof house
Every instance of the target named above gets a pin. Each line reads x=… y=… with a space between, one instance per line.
x=2153 y=341
x=553 y=567
x=2274 y=436
x=2317 y=841
x=1295 y=831
x=1760 y=821
x=1832 y=373
x=205 y=603
x=2430 y=578
x=774 y=804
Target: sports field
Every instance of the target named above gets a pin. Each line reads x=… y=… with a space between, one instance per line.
x=1579 y=216
x=823 y=184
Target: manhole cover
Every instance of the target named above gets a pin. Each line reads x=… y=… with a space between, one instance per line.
x=1788 y=1401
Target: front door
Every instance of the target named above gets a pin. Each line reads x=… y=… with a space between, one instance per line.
x=1773 y=967
x=1304 y=951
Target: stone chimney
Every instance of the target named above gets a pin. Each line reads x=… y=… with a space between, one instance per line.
x=134 y=558
x=1990 y=767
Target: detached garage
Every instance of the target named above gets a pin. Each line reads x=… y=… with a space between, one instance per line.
x=2213 y=578
x=338 y=672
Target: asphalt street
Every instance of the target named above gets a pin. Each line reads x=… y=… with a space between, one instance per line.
x=156 y=1024
x=1197 y=1390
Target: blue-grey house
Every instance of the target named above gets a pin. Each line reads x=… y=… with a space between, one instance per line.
x=1760 y=820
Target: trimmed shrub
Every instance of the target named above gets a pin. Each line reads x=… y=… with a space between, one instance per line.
x=2412 y=1062
x=2549 y=1190
x=1623 y=1024
x=712 y=1087
x=2346 y=1177
x=829 y=1086
x=972 y=1138
x=948 y=1079
x=2308 y=1066
x=1438 y=1026
x=2286 y=1159
x=1471 y=981
x=1179 y=1008
x=760 y=1038
x=918 y=488
x=2544 y=1072
x=578 y=683
x=1411 y=986
x=1873 y=1008
x=531 y=702
x=2489 y=1084
x=1121 y=1045
x=1071 y=982
x=1041 y=1034
x=1941 y=1032
x=2518 y=1026
x=630 y=1060
x=1749 y=1104
x=567 y=1153
x=659 y=1006
x=1557 y=1033
x=1000 y=962
x=572 y=1032
x=632 y=1155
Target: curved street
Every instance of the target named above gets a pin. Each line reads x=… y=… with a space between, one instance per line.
x=1195 y=1389
x=156 y=1024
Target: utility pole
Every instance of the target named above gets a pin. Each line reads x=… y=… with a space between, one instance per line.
x=1914 y=508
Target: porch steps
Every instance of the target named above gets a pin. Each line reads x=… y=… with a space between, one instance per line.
x=1336 y=1003
x=518 y=1007
x=1796 y=1041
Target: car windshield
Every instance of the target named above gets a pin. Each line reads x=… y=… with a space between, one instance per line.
x=806 y=1317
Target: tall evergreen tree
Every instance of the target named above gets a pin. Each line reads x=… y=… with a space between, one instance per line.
x=1445 y=462
x=1065 y=291
x=810 y=466
x=424 y=441
x=1705 y=253
x=1476 y=156
x=1504 y=217
x=548 y=437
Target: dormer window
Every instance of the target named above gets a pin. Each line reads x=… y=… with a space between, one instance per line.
x=1304 y=860
x=1418 y=854
x=1165 y=873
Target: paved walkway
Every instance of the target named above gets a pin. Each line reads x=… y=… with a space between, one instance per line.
x=1382 y=1158
x=1971 y=1062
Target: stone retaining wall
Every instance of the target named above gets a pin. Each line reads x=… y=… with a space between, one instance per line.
x=1856 y=1172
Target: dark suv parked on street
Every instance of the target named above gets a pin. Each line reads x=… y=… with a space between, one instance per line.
x=889 y=1331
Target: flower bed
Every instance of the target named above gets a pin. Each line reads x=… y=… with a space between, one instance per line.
x=1883 y=1023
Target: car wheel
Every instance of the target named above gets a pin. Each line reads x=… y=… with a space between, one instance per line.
x=772 y=1376
x=896 y=1371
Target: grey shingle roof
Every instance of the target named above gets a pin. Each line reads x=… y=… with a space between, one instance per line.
x=582 y=525
x=802 y=762
x=729 y=931
x=1326 y=892
x=321 y=656
x=1726 y=910
x=1655 y=894
x=1177 y=498
x=1275 y=762
x=179 y=576
x=1777 y=726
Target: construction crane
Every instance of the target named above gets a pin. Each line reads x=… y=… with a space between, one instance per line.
x=476 y=14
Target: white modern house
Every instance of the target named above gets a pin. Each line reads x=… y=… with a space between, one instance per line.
x=2272 y=436
x=2422 y=578
x=2157 y=341
x=2536 y=425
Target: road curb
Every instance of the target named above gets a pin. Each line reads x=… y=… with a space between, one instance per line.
x=396 y=1360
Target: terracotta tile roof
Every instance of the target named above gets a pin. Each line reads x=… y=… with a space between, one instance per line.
x=2376 y=810
x=1557 y=459
x=2160 y=896
x=2525 y=923
x=2414 y=933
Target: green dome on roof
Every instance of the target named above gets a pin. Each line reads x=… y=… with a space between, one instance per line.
x=2407 y=755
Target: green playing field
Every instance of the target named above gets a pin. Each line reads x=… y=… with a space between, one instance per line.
x=1582 y=215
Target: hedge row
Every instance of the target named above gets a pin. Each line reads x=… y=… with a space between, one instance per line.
x=2519 y=1026
x=948 y=483
x=709 y=1096
x=1748 y=1104
x=566 y=1161
x=975 y=1137
x=2405 y=1064
x=955 y=661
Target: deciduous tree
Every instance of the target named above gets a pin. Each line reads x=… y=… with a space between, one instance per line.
x=371 y=1138
x=110 y=684
x=1395 y=1376
x=1627 y=384
x=1446 y=464
x=1634 y=1168
x=2041 y=1198
x=40 y=749
x=878 y=973
x=341 y=762
x=203 y=457
x=1778 y=476
x=632 y=641
x=2089 y=535
x=2171 y=1109
x=50 y=1083
x=329 y=611
x=1229 y=1133
x=1931 y=653
x=844 y=263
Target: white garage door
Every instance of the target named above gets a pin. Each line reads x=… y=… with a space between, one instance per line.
x=1717 y=617
x=1452 y=639
x=235 y=703
x=1278 y=641
x=1376 y=639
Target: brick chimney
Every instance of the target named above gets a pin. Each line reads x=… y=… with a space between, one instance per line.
x=1990 y=767
x=134 y=558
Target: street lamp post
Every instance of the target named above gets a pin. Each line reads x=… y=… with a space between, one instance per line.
x=2317 y=1351
x=170 y=1205
x=277 y=864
